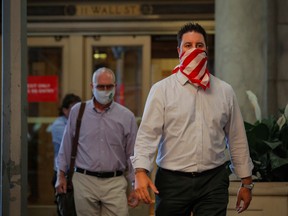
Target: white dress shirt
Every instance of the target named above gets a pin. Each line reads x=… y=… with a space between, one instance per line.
x=192 y=128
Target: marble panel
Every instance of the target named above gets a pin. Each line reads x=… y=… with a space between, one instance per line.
x=282 y=52
x=272 y=97
x=282 y=93
x=282 y=11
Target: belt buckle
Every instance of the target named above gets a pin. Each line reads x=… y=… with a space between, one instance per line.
x=194 y=174
x=115 y=174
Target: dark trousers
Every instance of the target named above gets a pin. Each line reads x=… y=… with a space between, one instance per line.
x=54 y=178
x=204 y=195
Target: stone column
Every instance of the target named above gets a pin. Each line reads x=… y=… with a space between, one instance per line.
x=241 y=50
x=282 y=53
x=13 y=157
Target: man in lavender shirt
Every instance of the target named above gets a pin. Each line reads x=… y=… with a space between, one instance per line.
x=106 y=142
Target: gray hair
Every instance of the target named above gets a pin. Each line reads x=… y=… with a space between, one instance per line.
x=101 y=71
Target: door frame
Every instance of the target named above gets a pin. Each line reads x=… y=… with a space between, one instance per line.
x=143 y=41
x=72 y=57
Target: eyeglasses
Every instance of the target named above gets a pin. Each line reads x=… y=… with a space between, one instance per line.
x=105 y=87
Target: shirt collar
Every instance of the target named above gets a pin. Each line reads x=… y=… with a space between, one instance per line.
x=182 y=78
x=106 y=109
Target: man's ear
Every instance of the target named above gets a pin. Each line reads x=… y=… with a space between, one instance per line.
x=178 y=50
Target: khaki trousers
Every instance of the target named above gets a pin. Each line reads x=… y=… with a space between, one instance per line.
x=100 y=196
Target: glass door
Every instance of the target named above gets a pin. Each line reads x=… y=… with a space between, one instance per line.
x=129 y=58
x=46 y=83
x=61 y=64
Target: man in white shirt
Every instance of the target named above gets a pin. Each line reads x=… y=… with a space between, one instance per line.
x=191 y=117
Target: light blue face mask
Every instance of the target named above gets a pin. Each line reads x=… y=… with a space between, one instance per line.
x=104 y=97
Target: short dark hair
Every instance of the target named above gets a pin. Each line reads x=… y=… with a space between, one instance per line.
x=190 y=27
x=67 y=101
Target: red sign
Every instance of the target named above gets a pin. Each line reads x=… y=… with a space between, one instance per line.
x=120 y=94
x=42 y=88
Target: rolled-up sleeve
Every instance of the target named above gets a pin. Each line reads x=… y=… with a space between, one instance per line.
x=150 y=131
x=237 y=142
x=64 y=155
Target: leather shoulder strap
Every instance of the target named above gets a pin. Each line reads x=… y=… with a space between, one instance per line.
x=75 y=140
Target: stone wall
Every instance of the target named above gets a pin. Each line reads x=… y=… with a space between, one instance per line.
x=251 y=49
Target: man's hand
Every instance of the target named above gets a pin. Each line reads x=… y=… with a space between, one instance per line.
x=61 y=183
x=133 y=200
x=142 y=182
x=244 y=197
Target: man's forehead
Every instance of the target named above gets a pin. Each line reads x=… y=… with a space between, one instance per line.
x=105 y=77
x=192 y=36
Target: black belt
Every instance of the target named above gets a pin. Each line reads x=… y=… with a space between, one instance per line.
x=99 y=174
x=193 y=174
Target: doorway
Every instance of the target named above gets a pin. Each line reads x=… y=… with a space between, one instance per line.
x=129 y=58
x=64 y=64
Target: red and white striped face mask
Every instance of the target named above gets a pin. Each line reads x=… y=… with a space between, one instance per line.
x=193 y=64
